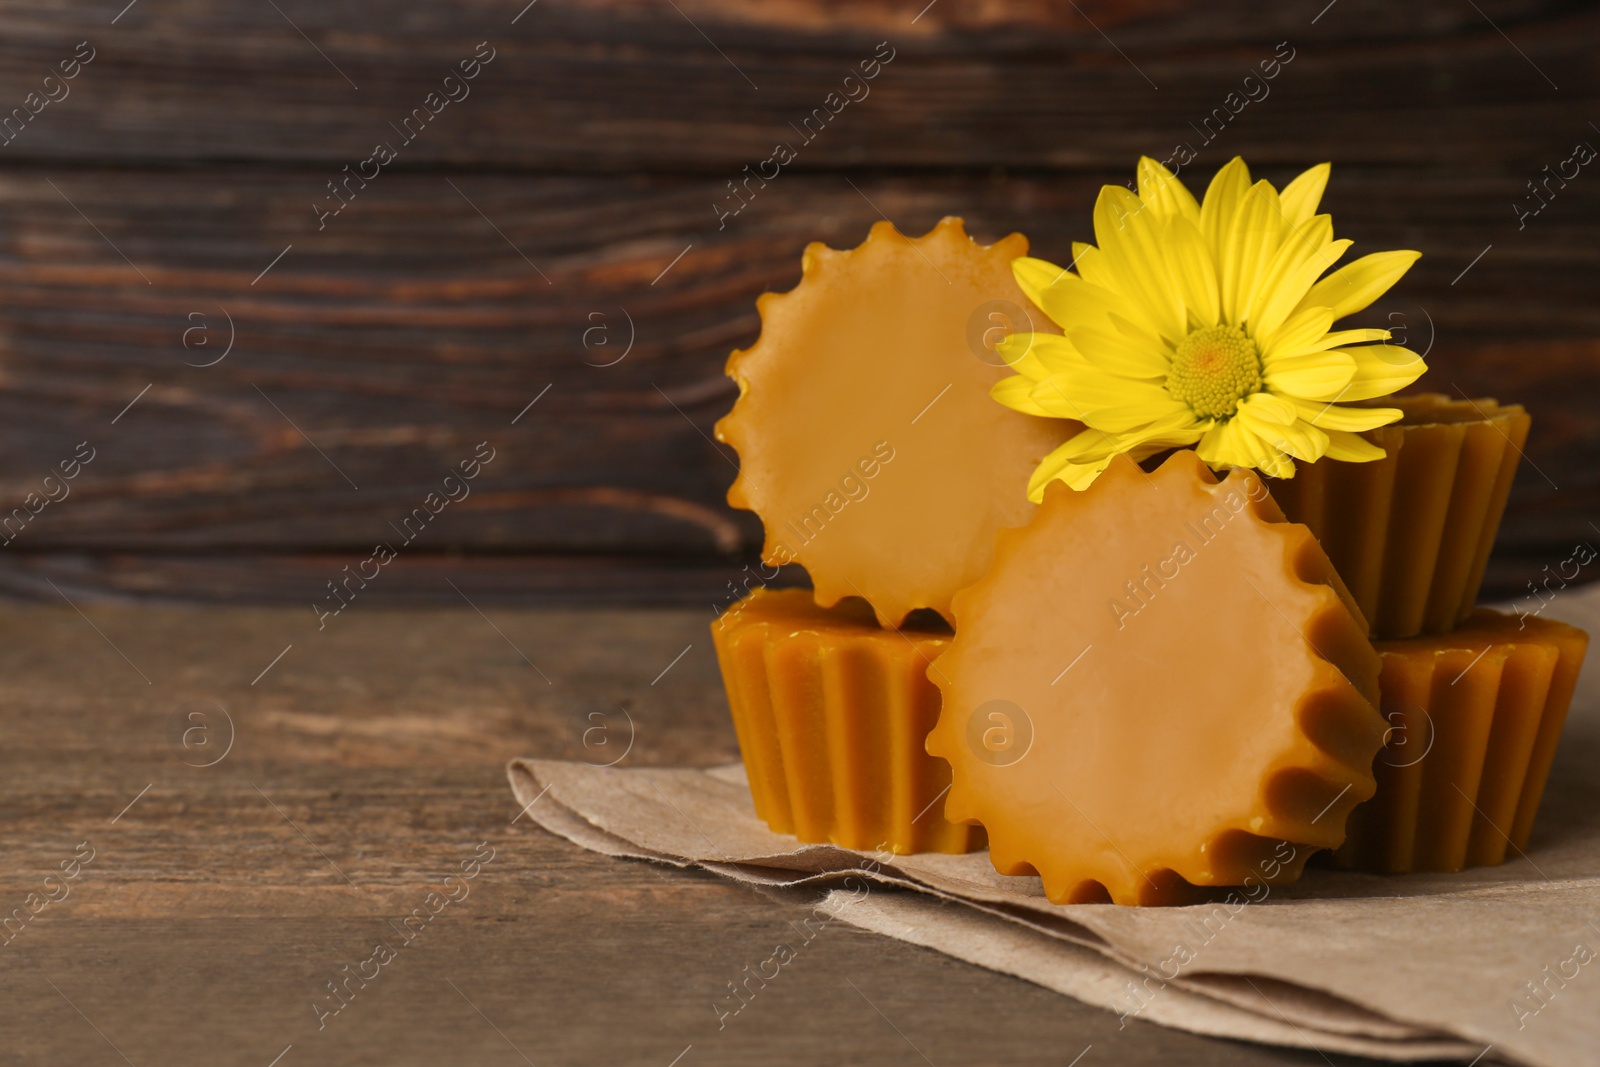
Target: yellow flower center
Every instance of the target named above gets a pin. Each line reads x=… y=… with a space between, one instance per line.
x=1213 y=369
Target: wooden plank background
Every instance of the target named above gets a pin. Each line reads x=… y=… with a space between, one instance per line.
x=163 y=208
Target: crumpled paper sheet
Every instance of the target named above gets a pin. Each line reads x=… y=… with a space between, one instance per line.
x=1501 y=963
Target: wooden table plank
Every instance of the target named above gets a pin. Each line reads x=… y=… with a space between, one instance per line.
x=707 y=586
x=386 y=348
x=585 y=85
x=367 y=763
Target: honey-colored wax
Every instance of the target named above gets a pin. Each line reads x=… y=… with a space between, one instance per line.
x=1473 y=720
x=867 y=439
x=1411 y=533
x=831 y=712
x=1159 y=684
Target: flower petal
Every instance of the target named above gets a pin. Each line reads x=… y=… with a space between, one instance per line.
x=1356 y=285
x=1296 y=335
x=1127 y=328
x=1338 y=338
x=1091 y=265
x=1320 y=376
x=1301 y=196
x=1274 y=459
x=1219 y=447
x=1121 y=355
x=1264 y=407
x=1381 y=369
x=1130 y=248
x=1306 y=442
x=1295 y=438
x=1035 y=276
x=1106 y=402
x=1340 y=417
x=1077 y=462
x=1078 y=475
x=1270 y=458
x=1095 y=444
x=1350 y=448
x=1223 y=197
x=1247 y=248
x=1304 y=254
x=1193 y=272
x=1164 y=194
x=1302 y=279
x=1013 y=393
x=1071 y=301
x=1080 y=460
x=1089 y=445
x=1037 y=355
x=1233 y=444
x=1066 y=462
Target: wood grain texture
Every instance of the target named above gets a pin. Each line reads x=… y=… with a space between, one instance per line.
x=573 y=207
x=366 y=765
x=626 y=85
x=300 y=578
x=376 y=355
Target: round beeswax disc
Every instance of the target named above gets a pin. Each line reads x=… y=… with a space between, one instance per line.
x=867 y=439
x=1159 y=684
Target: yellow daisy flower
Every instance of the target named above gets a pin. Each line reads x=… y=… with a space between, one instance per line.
x=1207 y=324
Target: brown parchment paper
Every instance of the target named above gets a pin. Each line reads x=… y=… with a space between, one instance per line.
x=1499 y=963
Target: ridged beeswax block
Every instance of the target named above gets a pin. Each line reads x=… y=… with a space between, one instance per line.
x=1411 y=533
x=1474 y=718
x=832 y=712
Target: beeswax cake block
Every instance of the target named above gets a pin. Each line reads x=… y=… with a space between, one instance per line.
x=1160 y=684
x=1473 y=719
x=867 y=440
x=831 y=712
x=1411 y=533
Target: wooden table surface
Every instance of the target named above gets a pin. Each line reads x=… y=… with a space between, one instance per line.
x=366 y=764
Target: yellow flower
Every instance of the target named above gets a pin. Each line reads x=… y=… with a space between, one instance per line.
x=1207 y=325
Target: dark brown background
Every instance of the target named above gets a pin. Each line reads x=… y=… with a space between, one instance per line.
x=192 y=148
